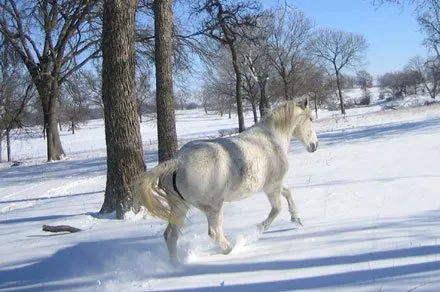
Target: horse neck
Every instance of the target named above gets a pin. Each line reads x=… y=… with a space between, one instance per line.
x=282 y=127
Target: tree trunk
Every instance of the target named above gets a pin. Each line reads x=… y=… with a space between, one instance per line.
x=48 y=91
x=8 y=144
x=286 y=90
x=264 y=103
x=316 y=105
x=241 y=126
x=341 y=99
x=125 y=159
x=140 y=116
x=254 y=112
x=166 y=123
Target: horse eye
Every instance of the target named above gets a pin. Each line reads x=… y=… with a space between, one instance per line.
x=311 y=119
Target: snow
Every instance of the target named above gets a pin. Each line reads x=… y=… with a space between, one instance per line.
x=368 y=199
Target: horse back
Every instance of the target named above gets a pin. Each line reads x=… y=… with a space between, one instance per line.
x=229 y=169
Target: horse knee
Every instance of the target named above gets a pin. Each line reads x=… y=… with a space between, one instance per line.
x=276 y=210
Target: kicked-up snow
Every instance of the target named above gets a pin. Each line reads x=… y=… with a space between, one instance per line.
x=368 y=198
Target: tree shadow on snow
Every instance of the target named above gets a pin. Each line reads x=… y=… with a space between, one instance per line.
x=377 y=132
x=363 y=134
x=90 y=265
x=349 y=277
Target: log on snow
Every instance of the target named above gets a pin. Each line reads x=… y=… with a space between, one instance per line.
x=60 y=228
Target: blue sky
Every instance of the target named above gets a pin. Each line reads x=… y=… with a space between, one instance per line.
x=392 y=32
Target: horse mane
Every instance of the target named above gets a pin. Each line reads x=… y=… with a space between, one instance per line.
x=282 y=117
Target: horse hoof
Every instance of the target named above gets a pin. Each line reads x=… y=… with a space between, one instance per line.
x=296 y=220
x=261 y=227
x=227 y=250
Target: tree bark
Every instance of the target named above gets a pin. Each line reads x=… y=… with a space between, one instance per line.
x=125 y=159
x=341 y=99
x=316 y=105
x=166 y=124
x=254 y=112
x=286 y=88
x=238 y=95
x=48 y=91
x=264 y=103
x=8 y=144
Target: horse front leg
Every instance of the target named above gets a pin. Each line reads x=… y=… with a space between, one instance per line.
x=292 y=208
x=275 y=202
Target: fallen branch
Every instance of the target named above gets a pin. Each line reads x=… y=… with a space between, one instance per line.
x=61 y=228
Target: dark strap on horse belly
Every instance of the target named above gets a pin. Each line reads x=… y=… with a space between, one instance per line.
x=175 y=186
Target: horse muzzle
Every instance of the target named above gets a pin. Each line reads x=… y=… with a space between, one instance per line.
x=312 y=147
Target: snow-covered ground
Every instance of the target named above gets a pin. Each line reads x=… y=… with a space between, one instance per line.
x=369 y=200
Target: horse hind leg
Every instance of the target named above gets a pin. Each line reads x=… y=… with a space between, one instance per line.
x=215 y=228
x=292 y=208
x=172 y=232
x=274 y=199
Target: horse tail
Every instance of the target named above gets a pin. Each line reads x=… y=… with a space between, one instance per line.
x=153 y=196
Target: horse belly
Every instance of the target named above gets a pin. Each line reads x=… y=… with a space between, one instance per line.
x=251 y=179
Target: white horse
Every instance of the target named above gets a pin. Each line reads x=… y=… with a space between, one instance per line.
x=207 y=173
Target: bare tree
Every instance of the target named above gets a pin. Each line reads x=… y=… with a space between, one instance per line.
x=225 y=23
x=318 y=87
x=74 y=101
x=93 y=85
x=142 y=92
x=256 y=60
x=429 y=72
x=397 y=82
x=364 y=79
x=53 y=39
x=252 y=90
x=290 y=32
x=218 y=84
x=16 y=91
x=428 y=17
x=338 y=50
x=125 y=159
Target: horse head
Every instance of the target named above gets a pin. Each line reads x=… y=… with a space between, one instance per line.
x=304 y=130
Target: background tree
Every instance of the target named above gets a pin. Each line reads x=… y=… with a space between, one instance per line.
x=74 y=101
x=252 y=93
x=225 y=22
x=16 y=92
x=396 y=82
x=338 y=50
x=318 y=87
x=290 y=32
x=60 y=41
x=428 y=17
x=364 y=79
x=255 y=58
x=429 y=71
x=219 y=81
x=125 y=159
x=142 y=92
